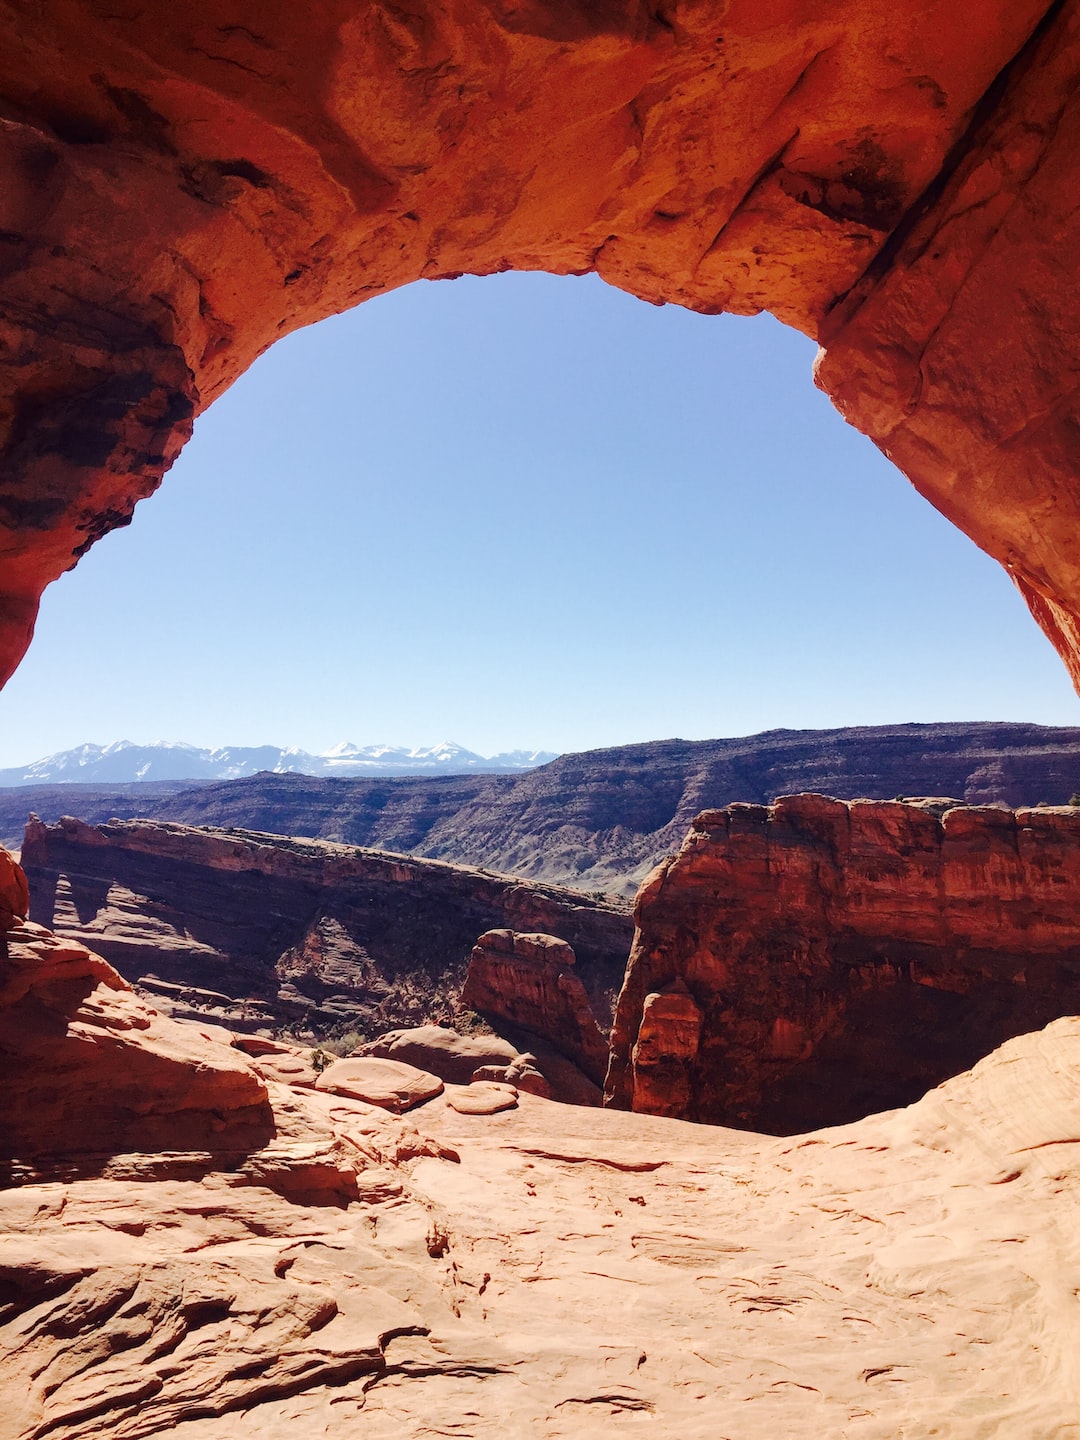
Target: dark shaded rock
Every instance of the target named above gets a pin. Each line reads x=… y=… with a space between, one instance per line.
x=258 y=931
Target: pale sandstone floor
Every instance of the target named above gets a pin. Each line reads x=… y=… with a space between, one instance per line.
x=576 y=1272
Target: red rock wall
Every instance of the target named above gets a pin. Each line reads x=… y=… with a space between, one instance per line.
x=182 y=184
x=808 y=962
x=529 y=982
x=256 y=930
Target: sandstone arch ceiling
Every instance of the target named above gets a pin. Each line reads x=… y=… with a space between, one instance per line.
x=184 y=183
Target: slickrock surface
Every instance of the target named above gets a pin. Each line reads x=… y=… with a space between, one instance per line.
x=390 y=1084
x=529 y=982
x=601 y=820
x=443 y=1051
x=808 y=962
x=545 y=1270
x=257 y=930
x=187 y=183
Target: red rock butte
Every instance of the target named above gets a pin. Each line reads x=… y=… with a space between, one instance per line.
x=183 y=184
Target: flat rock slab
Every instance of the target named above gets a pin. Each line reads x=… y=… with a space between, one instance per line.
x=390 y=1084
x=441 y=1050
x=482 y=1097
x=287 y=1067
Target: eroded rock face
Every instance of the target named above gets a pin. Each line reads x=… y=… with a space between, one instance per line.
x=184 y=184
x=528 y=981
x=255 y=930
x=811 y=961
x=89 y=1071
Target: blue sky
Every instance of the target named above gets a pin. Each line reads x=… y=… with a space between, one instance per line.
x=526 y=511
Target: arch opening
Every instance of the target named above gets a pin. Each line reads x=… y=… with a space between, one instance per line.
x=880 y=182
x=527 y=512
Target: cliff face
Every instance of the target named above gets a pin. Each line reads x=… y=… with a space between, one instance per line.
x=256 y=929
x=184 y=184
x=530 y=981
x=808 y=962
x=603 y=819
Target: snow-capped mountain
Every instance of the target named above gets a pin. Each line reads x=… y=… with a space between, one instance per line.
x=124 y=762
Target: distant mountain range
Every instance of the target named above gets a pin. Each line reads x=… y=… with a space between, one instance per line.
x=123 y=763
x=598 y=820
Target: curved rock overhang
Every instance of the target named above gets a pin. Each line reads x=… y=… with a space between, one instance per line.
x=183 y=184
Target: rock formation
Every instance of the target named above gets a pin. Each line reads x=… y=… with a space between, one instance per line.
x=601 y=820
x=389 y=1084
x=463 y=1059
x=88 y=1070
x=812 y=961
x=187 y=184
x=258 y=930
x=537 y=1269
x=528 y=981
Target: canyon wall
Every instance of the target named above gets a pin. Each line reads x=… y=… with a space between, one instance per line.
x=602 y=819
x=258 y=930
x=809 y=962
x=185 y=184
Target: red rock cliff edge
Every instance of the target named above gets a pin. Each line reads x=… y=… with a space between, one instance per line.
x=812 y=961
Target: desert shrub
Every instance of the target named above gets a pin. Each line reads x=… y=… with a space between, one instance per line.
x=468 y=1022
x=321 y=1057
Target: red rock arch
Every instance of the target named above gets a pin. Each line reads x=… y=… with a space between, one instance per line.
x=185 y=183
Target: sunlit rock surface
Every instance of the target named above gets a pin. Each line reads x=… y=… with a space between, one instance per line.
x=808 y=962
x=194 y=1238
x=185 y=183
x=545 y=1269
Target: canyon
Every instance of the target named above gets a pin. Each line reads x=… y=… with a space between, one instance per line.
x=602 y=819
x=193 y=1241
x=260 y=932
x=294 y=1260
x=806 y=963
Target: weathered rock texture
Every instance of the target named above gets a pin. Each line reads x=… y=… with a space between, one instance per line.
x=530 y=982
x=184 y=184
x=87 y=1069
x=602 y=819
x=809 y=962
x=543 y=1270
x=254 y=930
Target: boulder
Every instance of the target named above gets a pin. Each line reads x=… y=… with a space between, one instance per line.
x=445 y=1052
x=482 y=1097
x=390 y=1084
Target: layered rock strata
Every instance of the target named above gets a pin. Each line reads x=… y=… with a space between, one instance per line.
x=258 y=930
x=529 y=982
x=184 y=185
x=602 y=819
x=811 y=961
